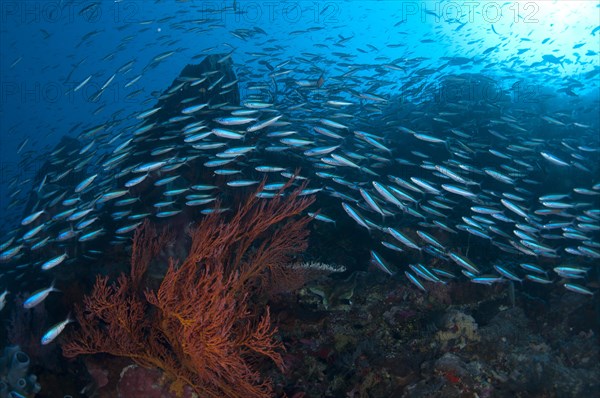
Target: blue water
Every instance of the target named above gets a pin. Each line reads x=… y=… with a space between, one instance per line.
x=44 y=41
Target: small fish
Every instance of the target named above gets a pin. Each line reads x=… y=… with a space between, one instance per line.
x=387 y=195
x=506 y=273
x=430 y=239
x=391 y=246
x=127 y=228
x=459 y=191
x=339 y=103
x=226 y=172
x=110 y=79
x=148 y=167
x=32 y=232
x=193 y=109
x=274 y=186
x=331 y=123
x=218 y=162
x=372 y=141
x=486 y=280
x=269 y=169
x=321 y=217
x=54 y=262
x=319 y=151
x=589 y=252
x=83 y=83
x=110 y=196
x=231 y=135
x=429 y=138
x=233 y=152
x=326 y=132
x=216 y=83
x=371 y=202
x=86 y=223
x=257 y=105
x=405 y=240
x=463 y=262
x=79 y=215
x=571 y=272
x=499 y=176
x=32 y=217
x=199 y=202
x=148 y=113
x=263 y=124
x=425 y=185
x=132 y=81
x=15 y=62
x=55 y=331
x=578 y=289
x=242 y=183
x=413 y=279
x=162 y=56
x=235 y=120
x=295 y=142
x=165 y=214
x=39 y=296
x=3 y=299
x=377 y=260
x=554 y=159
x=355 y=215
x=10 y=253
x=514 y=208
x=203 y=187
x=424 y=273
x=175 y=192
x=538 y=279
x=532 y=268
x=87 y=147
x=165 y=181
x=135 y=181
x=6 y=244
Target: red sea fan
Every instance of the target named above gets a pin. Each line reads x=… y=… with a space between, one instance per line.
x=200 y=326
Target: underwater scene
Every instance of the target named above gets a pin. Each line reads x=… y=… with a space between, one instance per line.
x=346 y=199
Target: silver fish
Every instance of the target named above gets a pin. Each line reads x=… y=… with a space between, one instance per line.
x=55 y=331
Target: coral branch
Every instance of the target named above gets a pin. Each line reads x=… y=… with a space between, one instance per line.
x=200 y=326
x=147 y=243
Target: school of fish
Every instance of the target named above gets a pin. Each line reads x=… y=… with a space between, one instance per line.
x=425 y=180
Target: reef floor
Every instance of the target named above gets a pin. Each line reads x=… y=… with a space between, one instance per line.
x=366 y=335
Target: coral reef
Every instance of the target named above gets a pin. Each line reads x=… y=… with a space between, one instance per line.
x=14 y=374
x=392 y=340
x=136 y=381
x=458 y=329
x=201 y=327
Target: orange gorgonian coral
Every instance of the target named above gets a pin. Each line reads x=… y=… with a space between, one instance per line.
x=200 y=326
